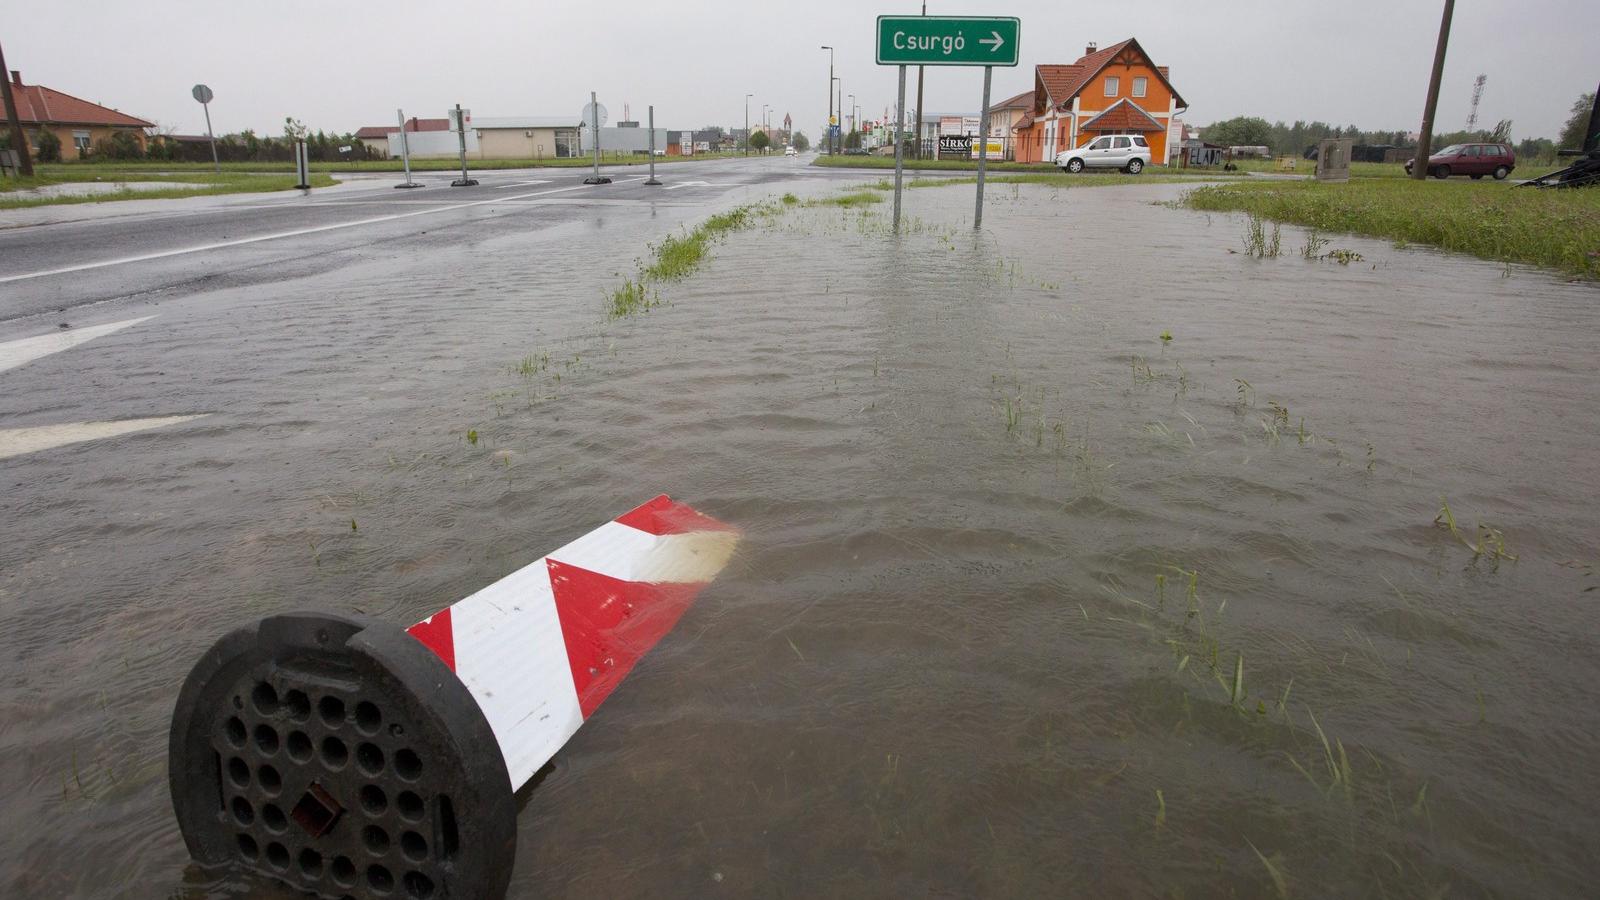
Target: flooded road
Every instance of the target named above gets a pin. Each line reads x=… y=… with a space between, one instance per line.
x=1030 y=602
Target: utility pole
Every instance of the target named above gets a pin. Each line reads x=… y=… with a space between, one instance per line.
x=747 y=123
x=840 y=107
x=828 y=135
x=19 y=141
x=1419 y=168
x=919 y=97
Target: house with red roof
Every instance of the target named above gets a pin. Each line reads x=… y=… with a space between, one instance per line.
x=78 y=123
x=1117 y=90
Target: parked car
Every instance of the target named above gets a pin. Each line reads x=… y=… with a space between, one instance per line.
x=1128 y=152
x=790 y=151
x=1476 y=160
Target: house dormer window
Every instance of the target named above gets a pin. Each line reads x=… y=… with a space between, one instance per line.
x=1139 y=83
x=1113 y=83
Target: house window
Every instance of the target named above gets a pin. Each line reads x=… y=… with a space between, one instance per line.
x=1113 y=83
x=80 y=139
x=1139 y=83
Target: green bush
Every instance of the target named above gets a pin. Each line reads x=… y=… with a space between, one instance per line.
x=49 y=147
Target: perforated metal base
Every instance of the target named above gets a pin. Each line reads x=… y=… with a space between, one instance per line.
x=341 y=757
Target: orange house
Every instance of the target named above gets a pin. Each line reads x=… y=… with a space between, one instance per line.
x=1118 y=90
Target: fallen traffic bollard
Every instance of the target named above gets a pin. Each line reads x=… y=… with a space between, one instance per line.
x=346 y=756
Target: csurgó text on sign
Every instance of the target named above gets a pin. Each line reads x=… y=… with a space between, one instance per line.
x=948 y=40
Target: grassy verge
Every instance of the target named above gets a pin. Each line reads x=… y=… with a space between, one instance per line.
x=1556 y=229
x=11 y=196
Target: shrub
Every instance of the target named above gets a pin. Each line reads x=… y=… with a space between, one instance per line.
x=49 y=147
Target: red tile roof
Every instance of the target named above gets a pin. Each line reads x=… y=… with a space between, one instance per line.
x=1059 y=81
x=1064 y=82
x=373 y=131
x=38 y=104
x=1124 y=115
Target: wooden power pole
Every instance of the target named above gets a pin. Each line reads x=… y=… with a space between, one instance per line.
x=1419 y=168
x=19 y=141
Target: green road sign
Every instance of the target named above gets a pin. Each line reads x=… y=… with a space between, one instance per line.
x=948 y=40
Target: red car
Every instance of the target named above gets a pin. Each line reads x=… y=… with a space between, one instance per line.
x=1476 y=160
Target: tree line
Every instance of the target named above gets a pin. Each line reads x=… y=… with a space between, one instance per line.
x=1294 y=139
x=245 y=146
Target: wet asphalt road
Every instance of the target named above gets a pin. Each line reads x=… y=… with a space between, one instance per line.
x=125 y=251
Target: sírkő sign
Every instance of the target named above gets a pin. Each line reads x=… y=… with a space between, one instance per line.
x=955 y=146
x=948 y=40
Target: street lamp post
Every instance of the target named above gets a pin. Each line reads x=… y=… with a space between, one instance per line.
x=855 y=123
x=747 y=123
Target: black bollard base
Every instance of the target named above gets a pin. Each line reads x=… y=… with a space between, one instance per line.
x=341 y=757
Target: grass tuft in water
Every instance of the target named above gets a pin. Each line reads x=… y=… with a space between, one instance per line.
x=852 y=199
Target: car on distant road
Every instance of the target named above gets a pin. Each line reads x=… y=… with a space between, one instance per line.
x=1128 y=152
x=1475 y=160
x=790 y=151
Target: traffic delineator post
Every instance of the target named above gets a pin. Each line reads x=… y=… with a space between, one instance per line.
x=346 y=756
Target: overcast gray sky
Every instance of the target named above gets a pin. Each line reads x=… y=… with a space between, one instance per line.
x=338 y=66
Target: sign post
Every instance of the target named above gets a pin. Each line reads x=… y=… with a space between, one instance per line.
x=986 y=41
x=983 y=136
x=458 y=120
x=899 y=146
x=204 y=95
x=405 y=152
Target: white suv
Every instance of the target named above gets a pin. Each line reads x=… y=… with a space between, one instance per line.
x=1127 y=152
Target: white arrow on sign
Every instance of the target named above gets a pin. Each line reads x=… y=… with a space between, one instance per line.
x=997 y=41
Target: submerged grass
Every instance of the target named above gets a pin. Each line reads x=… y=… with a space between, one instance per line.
x=854 y=198
x=1551 y=228
x=678 y=255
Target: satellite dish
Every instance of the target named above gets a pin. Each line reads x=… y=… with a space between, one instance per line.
x=588 y=115
x=204 y=95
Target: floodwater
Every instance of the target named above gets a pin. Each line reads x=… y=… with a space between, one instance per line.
x=1030 y=602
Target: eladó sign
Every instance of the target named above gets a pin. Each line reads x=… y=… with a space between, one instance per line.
x=948 y=40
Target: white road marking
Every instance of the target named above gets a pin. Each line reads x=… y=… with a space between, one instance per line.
x=17 y=441
x=683 y=184
x=26 y=350
x=143 y=257
x=520 y=183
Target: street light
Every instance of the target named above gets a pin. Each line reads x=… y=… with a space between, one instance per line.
x=829 y=134
x=854 y=122
x=747 y=123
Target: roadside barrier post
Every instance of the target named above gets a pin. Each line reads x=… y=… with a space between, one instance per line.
x=459 y=120
x=652 y=123
x=344 y=756
x=405 y=152
x=302 y=164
